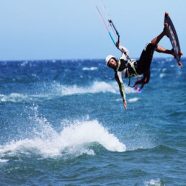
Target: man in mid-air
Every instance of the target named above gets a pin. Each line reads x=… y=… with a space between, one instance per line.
x=130 y=68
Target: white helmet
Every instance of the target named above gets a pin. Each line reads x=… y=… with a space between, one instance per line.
x=108 y=58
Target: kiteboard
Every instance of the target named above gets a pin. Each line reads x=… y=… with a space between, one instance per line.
x=173 y=37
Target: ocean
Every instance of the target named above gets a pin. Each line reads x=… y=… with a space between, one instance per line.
x=63 y=123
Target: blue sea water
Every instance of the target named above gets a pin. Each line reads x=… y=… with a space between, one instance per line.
x=63 y=123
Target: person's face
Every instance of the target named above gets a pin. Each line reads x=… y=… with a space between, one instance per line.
x=112 y=63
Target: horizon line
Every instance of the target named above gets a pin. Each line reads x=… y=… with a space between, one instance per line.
x=73 y=59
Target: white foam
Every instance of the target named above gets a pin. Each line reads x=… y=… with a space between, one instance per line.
x=24 y=63
x=164 y=69
x=162 y=75
x=89 y=68
x=154 y=182
x=75 y=139
x=133 y=100
x=3 y=160
x=96 y=87
x=89 y=132
x=56 y=89
x=13 y=97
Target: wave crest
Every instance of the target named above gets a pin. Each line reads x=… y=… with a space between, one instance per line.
x=49 y=91
x=75 y=138
x=13 y=97
x=96 y=87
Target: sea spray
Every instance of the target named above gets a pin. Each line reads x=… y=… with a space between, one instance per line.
x=75 y=138
x=55 y=89
x=95 y=87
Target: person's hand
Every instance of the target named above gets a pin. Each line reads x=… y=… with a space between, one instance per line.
x=117 y=44
x=125 y=104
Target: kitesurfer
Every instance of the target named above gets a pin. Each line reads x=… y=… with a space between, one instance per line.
x=129 y=68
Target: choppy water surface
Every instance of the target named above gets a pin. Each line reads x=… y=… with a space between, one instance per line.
x=63 y=123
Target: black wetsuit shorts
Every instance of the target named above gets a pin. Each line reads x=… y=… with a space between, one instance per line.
x=144 y=62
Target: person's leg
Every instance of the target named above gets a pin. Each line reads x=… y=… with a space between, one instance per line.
x=160 y=49
x=145 y=59
x=144 y=80
x=157 y=39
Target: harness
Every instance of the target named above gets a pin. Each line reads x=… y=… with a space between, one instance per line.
x=130 y=64
x=119 y=64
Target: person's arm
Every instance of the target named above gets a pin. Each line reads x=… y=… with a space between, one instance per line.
x=121 y=88
x=123 y=50
x=144 y=80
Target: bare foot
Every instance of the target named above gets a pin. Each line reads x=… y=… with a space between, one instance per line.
x=180 y=53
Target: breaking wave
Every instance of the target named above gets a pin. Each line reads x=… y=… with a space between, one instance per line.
x=49 y=91
x=76 y=138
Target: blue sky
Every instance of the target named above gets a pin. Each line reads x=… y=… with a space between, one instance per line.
x=71 y=29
